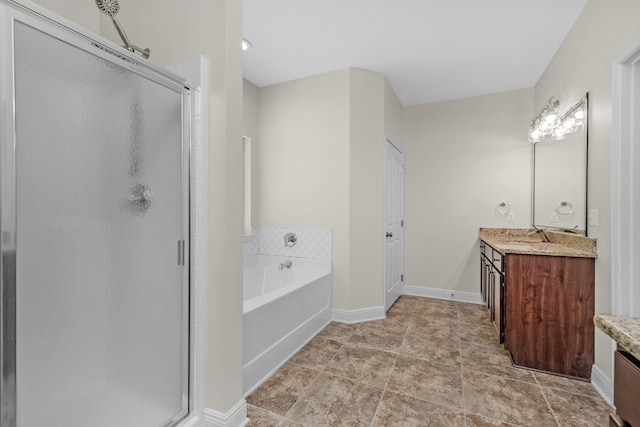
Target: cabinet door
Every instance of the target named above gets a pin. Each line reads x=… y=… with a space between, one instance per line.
x=497 y=316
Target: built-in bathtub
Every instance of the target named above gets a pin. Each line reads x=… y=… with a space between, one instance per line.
x=283 y=309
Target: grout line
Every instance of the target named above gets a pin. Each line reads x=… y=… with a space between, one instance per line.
x=377 y=407
x=544 y=396
x=464 y=401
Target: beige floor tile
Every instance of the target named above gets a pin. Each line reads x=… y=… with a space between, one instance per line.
x=565 y=384
x=283 y=389
x=478 y=333
x=259 y=417
x=473 y=313
x=398 y=410
x=362 y=364
x=437 y=310
x=377 y=336
x=334 y=401
x=506 y=400
x=478 y=421
x=338 y=331
x=441 y=364
x=432 y=382
x=431 y=348
x=403 y=305
x=491 y=360
x=395 y=321
x=435 y=326
x=316 y=353
x=575 y=410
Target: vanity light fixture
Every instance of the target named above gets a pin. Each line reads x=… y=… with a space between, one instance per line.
x=545 y=122
x=549 y=123
x=246 y=44
x=571 y=121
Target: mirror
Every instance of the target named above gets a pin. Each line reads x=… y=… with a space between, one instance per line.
x=560 y=173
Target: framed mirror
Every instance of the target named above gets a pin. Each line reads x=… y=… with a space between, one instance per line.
x=560 y=173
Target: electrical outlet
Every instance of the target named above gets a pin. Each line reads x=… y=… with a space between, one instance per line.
x=593 y=217
x=512 y=217
x=553 y=217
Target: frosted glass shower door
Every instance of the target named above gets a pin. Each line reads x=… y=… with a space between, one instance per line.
x=101 y=283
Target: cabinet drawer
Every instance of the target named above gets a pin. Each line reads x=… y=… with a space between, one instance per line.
x=627 y=383
x=498 y=261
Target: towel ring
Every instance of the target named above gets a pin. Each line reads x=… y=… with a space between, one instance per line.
x=503 y=209
x=564 y=208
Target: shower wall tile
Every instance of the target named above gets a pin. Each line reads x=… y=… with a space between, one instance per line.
x=313 y=243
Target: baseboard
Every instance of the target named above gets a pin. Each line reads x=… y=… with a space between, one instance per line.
x=445 y=294
x=359 y=315
x=235 y=417
x=602 y=384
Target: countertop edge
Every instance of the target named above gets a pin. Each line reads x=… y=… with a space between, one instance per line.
x=622 y=329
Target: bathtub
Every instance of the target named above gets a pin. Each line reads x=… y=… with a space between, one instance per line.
x=283 y=309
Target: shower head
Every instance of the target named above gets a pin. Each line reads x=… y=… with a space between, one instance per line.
x=108 y=7
x=111 y=9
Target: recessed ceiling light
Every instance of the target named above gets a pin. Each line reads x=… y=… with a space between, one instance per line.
x=246 y=44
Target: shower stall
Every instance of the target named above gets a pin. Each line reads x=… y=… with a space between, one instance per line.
x=94 y=193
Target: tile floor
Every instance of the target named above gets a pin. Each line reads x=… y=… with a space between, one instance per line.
x=429 y=363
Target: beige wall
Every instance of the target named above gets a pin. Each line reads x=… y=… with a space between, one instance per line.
x=304 y=162
x=250 y=128
x=321 y=164
x=85 y=14
x=463 y=158
x=366 y=188
x=393 y=115
x=583 y=64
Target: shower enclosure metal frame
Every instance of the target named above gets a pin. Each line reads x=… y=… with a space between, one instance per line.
x=39 y=18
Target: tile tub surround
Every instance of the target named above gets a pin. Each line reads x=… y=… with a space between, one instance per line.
x=624 y=330
x=528 y=241
x=313 y=243
x=430 y=362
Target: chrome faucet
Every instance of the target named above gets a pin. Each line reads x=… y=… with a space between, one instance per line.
x=540 y=231
x=286 y=264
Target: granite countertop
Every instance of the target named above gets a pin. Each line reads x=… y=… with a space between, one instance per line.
x=624 y=330
x=530 y=242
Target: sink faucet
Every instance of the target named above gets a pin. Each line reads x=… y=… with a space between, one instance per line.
x=286 y=264
x=542 y=233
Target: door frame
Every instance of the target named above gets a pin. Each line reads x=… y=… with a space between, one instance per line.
x=388 y=142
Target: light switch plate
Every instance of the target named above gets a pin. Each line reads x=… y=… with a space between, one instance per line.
x=593 y=217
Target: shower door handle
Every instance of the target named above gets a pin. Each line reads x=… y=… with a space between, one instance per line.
x=180 y=252
x=389 y=234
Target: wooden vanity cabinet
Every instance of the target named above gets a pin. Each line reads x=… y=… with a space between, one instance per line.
x=549 y=313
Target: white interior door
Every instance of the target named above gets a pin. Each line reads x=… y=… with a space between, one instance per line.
x=394 y=222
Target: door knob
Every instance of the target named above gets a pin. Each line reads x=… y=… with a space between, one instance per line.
x=389 y=234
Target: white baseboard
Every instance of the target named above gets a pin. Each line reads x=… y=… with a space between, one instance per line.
x=445 y=294
x=235 y=417
x=359 y=315
x=602 y=384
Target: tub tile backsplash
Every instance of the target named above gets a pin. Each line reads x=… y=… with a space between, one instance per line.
x=313 y=243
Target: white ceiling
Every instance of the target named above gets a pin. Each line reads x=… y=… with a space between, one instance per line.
x=430 y=50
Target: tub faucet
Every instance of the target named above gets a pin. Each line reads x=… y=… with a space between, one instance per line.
x=286 y=264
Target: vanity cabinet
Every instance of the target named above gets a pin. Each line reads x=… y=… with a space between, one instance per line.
x=549 y=320
x=542 y=307
x=492 y=286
